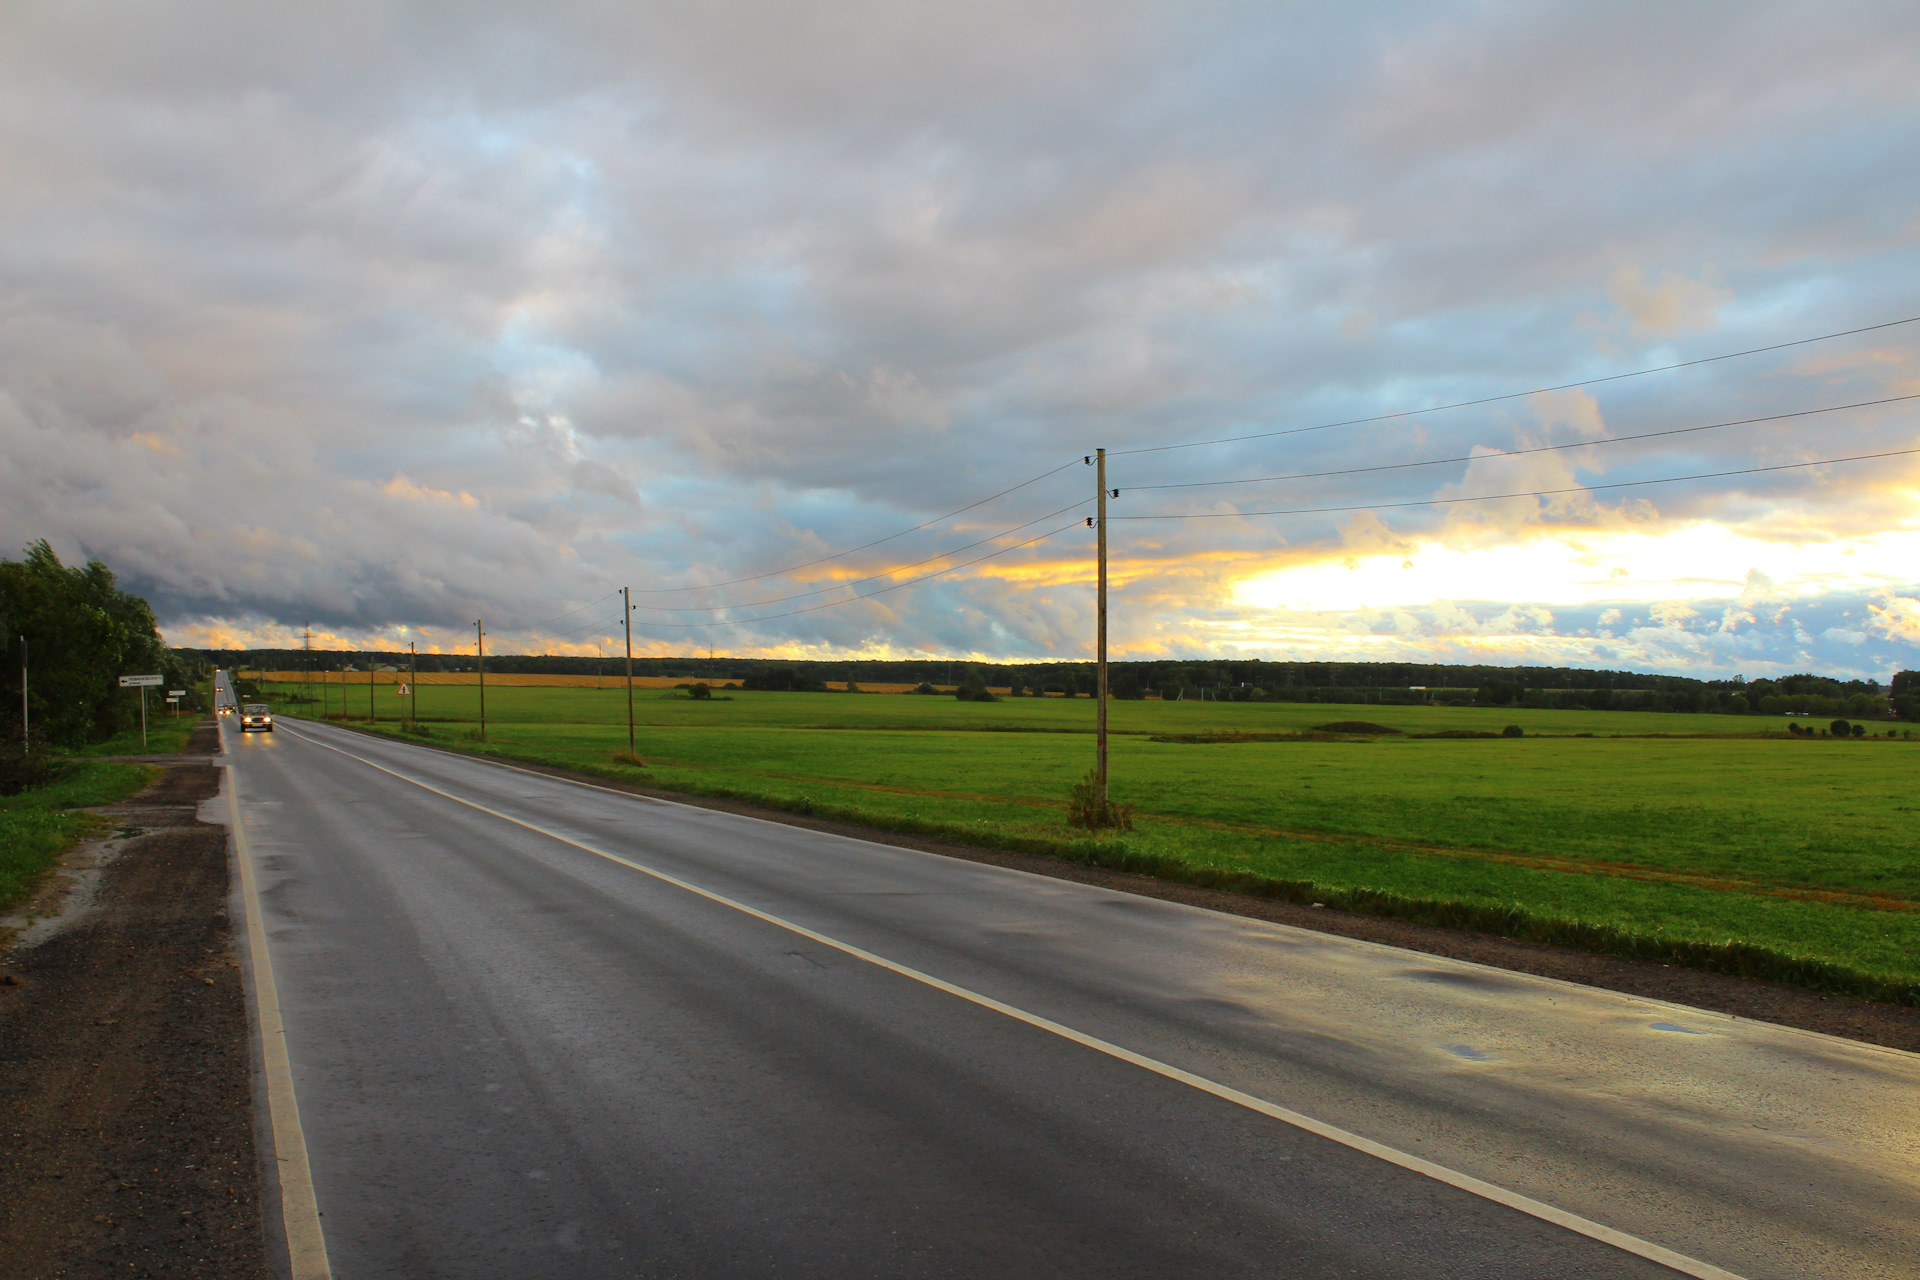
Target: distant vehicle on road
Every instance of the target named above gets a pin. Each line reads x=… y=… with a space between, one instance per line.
x=256 y=715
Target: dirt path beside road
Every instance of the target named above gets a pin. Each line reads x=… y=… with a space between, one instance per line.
x=126 y=1113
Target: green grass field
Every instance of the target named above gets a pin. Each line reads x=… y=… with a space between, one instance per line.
x=1711 y=840
x=38 y=825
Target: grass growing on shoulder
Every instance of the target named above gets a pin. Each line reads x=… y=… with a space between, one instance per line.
x=166 y=735
x=39 y=825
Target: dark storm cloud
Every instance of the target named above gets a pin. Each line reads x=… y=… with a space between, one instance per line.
x=385 y=315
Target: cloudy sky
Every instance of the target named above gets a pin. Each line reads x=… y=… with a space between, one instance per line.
x=387 y=317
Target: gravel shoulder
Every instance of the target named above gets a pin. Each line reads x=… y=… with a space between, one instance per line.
x=127 y=1143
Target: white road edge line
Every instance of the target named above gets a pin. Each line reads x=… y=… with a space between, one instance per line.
x=1651 y=1002
x=299 y=1211
x=1439 y=1173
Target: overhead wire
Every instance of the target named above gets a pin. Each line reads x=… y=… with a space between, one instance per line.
x=612 y=621
x=1515 y=395
x=1388 y=417
x=1519 y=453
x=884 y=573
x=535 y=626
x=808 y=564
x=1530 y=493
x=835 y=604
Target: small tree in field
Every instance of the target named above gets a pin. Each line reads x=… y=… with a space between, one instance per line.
x=1841 y=729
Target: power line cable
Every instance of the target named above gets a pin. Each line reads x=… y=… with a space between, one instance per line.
x=611 y=621
x=535 y=626
x=1531 y=493
x=1520 y=453
x=835 y=604
x=775 y=573
x=1514 y=395
x=854 y=582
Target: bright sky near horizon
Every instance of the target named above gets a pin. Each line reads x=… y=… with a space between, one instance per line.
x=389 y=316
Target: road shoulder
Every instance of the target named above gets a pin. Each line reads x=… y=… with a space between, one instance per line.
x=125 y=1075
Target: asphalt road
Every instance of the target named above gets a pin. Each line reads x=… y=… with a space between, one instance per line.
x=515 y=1054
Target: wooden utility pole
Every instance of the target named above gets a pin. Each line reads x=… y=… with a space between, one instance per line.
x=26 y=725
x=480 y=657
x=413 y=685
x=1100 y=655
x=626 y=616
x=373 y=713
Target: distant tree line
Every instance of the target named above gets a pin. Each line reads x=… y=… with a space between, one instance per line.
x=82 y=634
x=1226 y=681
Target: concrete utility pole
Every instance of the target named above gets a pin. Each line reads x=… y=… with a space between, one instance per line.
x=626 y=616
x=372 y=712
x=413 y=685
x=26 y=736
x=480 y=654
x=1100 y=655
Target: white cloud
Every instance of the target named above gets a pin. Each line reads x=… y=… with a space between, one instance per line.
x=391 y=317
x=1673 y=305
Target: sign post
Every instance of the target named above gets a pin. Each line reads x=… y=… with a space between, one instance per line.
x=142 y=683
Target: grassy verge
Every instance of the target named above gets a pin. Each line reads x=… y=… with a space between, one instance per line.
x=1715 y=842
x=166 y=735
x=40 y=824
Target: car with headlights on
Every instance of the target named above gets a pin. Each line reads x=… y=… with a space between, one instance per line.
x=256 y=716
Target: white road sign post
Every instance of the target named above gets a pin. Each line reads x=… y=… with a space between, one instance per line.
x=142 y=683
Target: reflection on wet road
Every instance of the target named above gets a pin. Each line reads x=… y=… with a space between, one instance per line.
x=517 y=1056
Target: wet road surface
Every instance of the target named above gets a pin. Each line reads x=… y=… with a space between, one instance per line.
x=517 y=1055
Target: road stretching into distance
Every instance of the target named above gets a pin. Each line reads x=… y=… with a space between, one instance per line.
x=542 y=1029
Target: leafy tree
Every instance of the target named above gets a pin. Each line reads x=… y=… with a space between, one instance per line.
x=974 y=691
x=1496 y=693
x=82 y=634
x=785 y=679
x=1841 y=729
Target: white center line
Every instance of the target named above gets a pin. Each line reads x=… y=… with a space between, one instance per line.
x=1439 y=1173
